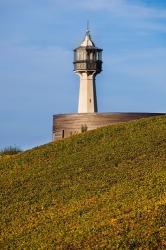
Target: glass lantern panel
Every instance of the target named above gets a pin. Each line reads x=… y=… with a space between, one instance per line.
x=84 y=55
x=75 y=55
x=100 y=55
x=81 y=55
x=87 y=55
x=91 y=56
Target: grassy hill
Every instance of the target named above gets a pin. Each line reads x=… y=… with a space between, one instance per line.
x=104 y=189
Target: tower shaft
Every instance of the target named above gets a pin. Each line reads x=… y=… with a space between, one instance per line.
x=87 y=93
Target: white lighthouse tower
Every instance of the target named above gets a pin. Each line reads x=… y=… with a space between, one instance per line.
x=87 y=64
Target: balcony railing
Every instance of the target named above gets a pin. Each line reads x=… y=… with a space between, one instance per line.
x=88 y=66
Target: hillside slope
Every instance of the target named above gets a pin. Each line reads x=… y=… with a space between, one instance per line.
x=105 y=189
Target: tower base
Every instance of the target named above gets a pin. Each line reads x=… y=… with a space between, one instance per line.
x=65 y=125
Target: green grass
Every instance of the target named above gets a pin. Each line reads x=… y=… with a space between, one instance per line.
x=104 y=189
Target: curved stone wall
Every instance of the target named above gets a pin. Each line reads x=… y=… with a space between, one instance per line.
x=65 y=125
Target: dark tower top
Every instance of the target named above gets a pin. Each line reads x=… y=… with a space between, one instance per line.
x=87 y=57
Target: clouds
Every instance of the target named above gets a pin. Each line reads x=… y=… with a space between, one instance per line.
x=33 y=87
x=125 y=8
x=32 y=70
x=142 y=69
x=138 y=15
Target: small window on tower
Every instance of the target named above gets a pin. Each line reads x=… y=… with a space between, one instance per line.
x=90 y=100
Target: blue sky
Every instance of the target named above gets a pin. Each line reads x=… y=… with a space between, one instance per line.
x=36 y=72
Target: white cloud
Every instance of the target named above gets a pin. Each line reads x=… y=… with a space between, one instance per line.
x=124 y=8
x=29 y=70
x=146 y=65
x=137 y=14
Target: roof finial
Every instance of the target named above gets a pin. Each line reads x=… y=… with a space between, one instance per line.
x=87 y=28
x=87 y=40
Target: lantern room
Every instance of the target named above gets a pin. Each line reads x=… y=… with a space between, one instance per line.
x=88 y=57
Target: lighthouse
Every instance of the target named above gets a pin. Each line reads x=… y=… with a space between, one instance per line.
x=87 y=64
